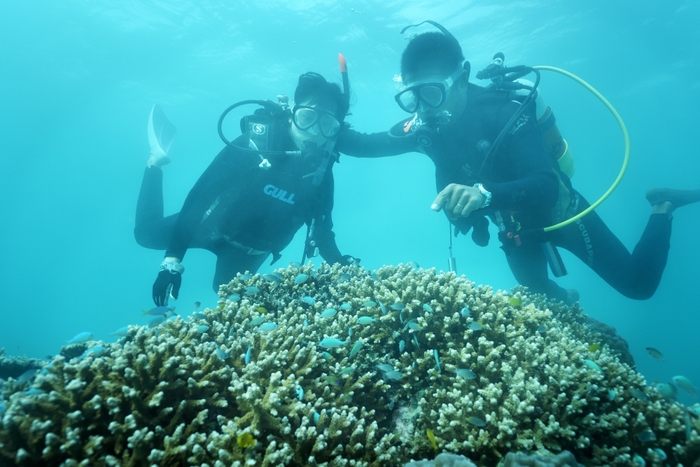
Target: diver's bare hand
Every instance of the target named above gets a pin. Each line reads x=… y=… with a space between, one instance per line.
x=458 y=200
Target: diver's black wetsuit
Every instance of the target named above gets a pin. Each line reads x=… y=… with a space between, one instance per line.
x=525 y=184
x=239 y=211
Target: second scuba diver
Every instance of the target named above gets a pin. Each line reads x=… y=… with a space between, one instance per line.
x=256 y=194
x=491 y=162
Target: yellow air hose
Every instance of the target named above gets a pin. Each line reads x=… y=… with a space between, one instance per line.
x=625 y=135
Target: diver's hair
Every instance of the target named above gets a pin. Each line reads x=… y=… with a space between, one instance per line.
x=314 y=89
x=431 y=50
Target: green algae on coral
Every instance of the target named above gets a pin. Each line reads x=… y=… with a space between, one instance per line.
x=163 y=396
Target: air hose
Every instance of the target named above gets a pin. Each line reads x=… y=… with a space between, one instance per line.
x=625 y=136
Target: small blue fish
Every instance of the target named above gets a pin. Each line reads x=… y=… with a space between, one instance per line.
x=327 y=356
x=27 y=376
x=166 y=311
x=685 y=384
x=640 y=395
x=343 y=278
x=355 y=349
x=393 y=375
x=306 y=323
x=271 y=278
x=198 y=315
x=295 y=265
x=234 y=297
x=427 y=308
x=202 y=328
x=465 y=373
x=247 y=355
x=476 y=421
x=81 y=338
x=612 y=394
x=331 y=343
x=667 y=391
x=475 y=326
x=385 y=367
x=346 y=371
x=638 y=461
x=654 y=353
x=374 y=276
x=308 y=300
x=3 y=407
x=413 y=325
x=369 y=304
x=660 y=454
x=96 y=350
x=256 y=321
x=316 y=417
x=415 y=340
x=365 y=320
x=250 y=291
x=34 y=392
x=437 y=359
x=121 y=332
x=156 y=321
x=382 y=307
x=592 y=365
x=300 y=392
x=349 y=332
x=300 y=279
x=332 y=379
x=346 y=307
x=398 y=306
x=646 y=436
x=466 y=313
x=402 y=345
x=221 y=354
x=329 y=313
x=541 y=329
x=267 y=327
x=245 y=277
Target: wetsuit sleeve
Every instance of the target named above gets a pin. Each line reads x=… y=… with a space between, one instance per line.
x=356 y=144
x=522 y=175
x=220 y=173
x=324 y=236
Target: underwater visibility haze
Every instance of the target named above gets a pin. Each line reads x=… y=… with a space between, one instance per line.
x=79 y=78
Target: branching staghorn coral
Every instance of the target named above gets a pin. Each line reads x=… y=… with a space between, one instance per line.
x=339 y=365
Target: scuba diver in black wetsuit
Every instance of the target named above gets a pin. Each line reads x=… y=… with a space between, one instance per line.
x=491 y=161
x=256 y=194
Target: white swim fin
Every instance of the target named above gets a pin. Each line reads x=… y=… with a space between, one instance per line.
x=160 y=133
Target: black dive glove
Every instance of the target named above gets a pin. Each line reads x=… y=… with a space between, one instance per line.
x=168 y=282
x=479 y=226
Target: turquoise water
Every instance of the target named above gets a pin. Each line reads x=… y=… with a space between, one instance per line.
x=78 y=79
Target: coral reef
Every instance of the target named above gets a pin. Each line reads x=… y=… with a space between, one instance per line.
x=443 y=460
x=13 y=367
x=563 y=459
x=340 y=366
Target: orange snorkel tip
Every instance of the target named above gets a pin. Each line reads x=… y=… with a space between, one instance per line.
x=344 y=74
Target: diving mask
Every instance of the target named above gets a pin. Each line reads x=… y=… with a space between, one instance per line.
x=429 y=92
x=313 y=120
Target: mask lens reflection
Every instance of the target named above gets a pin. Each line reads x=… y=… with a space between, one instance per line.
x=432 y=95
x=313 y=121
x=305 y=118
x=330 y=126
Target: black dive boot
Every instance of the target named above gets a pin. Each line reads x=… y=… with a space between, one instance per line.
x=677 y=198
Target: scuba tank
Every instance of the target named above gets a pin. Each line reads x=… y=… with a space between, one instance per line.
x=520 y=90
